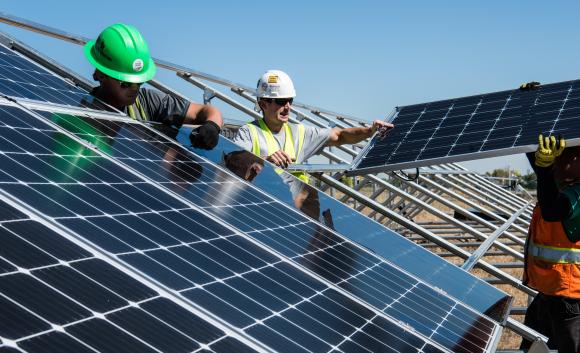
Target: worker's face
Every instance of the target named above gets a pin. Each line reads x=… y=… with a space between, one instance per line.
x=276 y=109
x=118 y=93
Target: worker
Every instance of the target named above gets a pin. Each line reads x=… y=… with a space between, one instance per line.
x=265 y=137
x=552 y=254
x=122 y=64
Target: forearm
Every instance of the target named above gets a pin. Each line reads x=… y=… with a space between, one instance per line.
x=198 y=114
x=350 y=135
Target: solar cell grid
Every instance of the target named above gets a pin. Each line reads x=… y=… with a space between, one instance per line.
x=474 y=127
x=293 y=235
x=22 y=78
x=57 y=296
x=189 y=268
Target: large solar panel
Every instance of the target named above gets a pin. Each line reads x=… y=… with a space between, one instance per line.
x=481 y=126
x=203 y=261
x=374 y=236
x=318 y=249
x=58 y=296
x=24 y=79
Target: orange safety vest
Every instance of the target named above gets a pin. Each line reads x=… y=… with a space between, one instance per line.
x=552 y=261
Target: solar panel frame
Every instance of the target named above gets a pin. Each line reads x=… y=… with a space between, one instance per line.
x=508 y=123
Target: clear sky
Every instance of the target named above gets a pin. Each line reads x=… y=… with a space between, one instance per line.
x=360 y=58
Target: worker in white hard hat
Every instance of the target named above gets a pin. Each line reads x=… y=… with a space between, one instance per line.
x=283 y=143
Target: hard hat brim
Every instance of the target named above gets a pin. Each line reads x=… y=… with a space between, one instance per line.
x=121 y=76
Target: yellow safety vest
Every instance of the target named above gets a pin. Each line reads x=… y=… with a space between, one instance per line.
x=131 y=111
x=272 y=146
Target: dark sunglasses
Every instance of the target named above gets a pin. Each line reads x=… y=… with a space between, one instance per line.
x=129 y=84
x=126 y=85
x=280 y=101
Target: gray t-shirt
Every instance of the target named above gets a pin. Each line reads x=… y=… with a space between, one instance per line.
x=314 y=140
x=159 y=107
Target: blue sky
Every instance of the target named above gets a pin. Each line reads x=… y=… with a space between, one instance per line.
x=360 y=58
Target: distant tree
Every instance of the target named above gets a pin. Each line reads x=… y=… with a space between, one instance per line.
x=504 y=173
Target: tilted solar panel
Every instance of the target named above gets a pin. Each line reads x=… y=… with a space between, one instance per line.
x=374 y=236
x=22 y=78
x=202 y=261
x=307 y=244
x=57 y=296
x=481 y=126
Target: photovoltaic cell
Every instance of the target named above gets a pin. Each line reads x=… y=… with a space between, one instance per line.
x=56 y=296
x=316 y=248
x=474 y=127
x=22 y=78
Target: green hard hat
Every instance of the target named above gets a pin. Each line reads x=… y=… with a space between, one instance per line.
x=121 y=53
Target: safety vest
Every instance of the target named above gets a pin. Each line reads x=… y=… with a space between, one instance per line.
x=273 y=146
x=131 y=110
x=552 y=261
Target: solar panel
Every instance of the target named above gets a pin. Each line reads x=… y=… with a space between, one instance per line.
x=22 y=78
x=58 y=296
x=481 y=126
x=320 y=250
x=202 y=261
x=381 y=240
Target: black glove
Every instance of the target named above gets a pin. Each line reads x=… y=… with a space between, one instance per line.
x=205 y=136
x=529 y=86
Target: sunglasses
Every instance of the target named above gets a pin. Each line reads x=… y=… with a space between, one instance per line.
x=280 y=101
x=124 y=84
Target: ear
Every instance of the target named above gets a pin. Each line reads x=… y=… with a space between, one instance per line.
x=261 y=103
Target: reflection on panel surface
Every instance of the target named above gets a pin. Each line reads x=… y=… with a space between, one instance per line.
x=316 y=248
x=384 y=242
x=201 y=260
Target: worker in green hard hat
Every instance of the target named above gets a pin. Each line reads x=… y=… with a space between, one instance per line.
x=123 y=63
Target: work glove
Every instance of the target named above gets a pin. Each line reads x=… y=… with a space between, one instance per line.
x=205 y=136
x=548 y=150
x=529 y=86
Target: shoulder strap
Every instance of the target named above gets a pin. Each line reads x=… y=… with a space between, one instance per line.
x=131 y=110
x=255 y=141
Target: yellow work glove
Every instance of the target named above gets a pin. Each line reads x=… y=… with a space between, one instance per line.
x=548 y=150
x=528 y=86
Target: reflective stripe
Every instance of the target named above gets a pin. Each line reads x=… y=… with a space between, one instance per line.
x=255 y=140
x=273 y=146
x=131 y=111
x=554 y=254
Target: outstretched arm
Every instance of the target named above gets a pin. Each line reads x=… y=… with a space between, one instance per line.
x=356 y=134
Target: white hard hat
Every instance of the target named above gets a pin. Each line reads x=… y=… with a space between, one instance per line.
x=275 y=84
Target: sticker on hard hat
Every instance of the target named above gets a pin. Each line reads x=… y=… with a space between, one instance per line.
x=137 y=65
x=272 y=79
